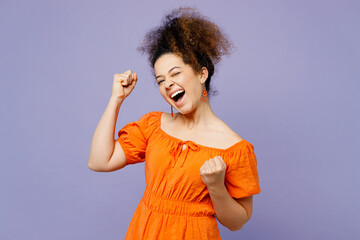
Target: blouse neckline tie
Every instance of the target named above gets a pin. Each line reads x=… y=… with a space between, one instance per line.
x=181 y=151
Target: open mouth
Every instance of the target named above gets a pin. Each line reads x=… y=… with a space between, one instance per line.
x=176 y=96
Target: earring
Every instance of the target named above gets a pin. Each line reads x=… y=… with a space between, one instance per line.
x=204 y=95
x=172 y=111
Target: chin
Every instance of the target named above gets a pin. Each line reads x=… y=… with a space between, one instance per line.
x=185 y=110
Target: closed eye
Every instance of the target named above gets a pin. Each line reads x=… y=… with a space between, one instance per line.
x=173 y=75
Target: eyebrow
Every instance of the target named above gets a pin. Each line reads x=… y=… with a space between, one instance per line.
x=168 y=71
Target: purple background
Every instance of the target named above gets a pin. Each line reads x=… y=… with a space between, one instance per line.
x=290 y=88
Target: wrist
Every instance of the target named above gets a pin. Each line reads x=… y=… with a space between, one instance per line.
x=217 y=189
x=116 y=100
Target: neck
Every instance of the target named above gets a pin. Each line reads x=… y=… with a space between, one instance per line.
x=201 y=115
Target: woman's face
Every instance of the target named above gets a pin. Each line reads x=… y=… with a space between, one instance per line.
x=179 y=85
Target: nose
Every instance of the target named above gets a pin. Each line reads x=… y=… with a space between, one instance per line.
x=169 y=83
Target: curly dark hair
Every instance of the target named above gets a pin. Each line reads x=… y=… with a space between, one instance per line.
x=185 y=32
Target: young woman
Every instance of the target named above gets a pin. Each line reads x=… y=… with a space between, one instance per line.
x=197 y=169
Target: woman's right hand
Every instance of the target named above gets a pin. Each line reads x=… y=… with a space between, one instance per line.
x=123 y=85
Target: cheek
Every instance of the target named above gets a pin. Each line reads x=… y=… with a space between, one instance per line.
x=163 y=94
x=191 y=86
x=195 y=92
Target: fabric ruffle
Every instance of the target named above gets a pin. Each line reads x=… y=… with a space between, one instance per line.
x=133 y=137
x=177 y=207
x=241 y=178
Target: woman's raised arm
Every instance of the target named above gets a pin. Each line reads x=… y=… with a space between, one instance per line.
x=105 y=153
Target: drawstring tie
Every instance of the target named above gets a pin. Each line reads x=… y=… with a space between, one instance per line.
x=181 y=151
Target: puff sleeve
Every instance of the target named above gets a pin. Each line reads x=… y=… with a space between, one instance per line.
x=133 y=138
x=241 y=178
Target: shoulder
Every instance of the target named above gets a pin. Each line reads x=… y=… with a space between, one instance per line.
x=148 y=122
x=226 y=133
x=151 y=116
x=168 y=121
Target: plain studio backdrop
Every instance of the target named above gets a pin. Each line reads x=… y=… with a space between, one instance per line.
x=290 y=88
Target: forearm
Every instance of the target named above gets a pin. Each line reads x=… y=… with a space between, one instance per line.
x=102 y=144
x=228 y=211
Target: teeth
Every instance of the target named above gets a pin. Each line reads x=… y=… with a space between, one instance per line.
x=176 y=93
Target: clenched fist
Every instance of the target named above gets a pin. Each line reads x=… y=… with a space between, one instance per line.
x=123 y=84
x=213 y=172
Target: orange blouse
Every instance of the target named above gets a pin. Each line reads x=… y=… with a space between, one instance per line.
x=176 y=203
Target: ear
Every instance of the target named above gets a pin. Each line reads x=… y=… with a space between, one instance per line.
x=204 y=73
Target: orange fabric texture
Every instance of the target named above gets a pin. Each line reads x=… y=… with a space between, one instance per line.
x=176 y=203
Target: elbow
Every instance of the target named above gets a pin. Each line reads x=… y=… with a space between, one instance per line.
x=91 y=166
x=238 y=226
x=91 y=162
x=94 y=167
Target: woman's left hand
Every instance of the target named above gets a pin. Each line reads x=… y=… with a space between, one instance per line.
x=213 y=172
